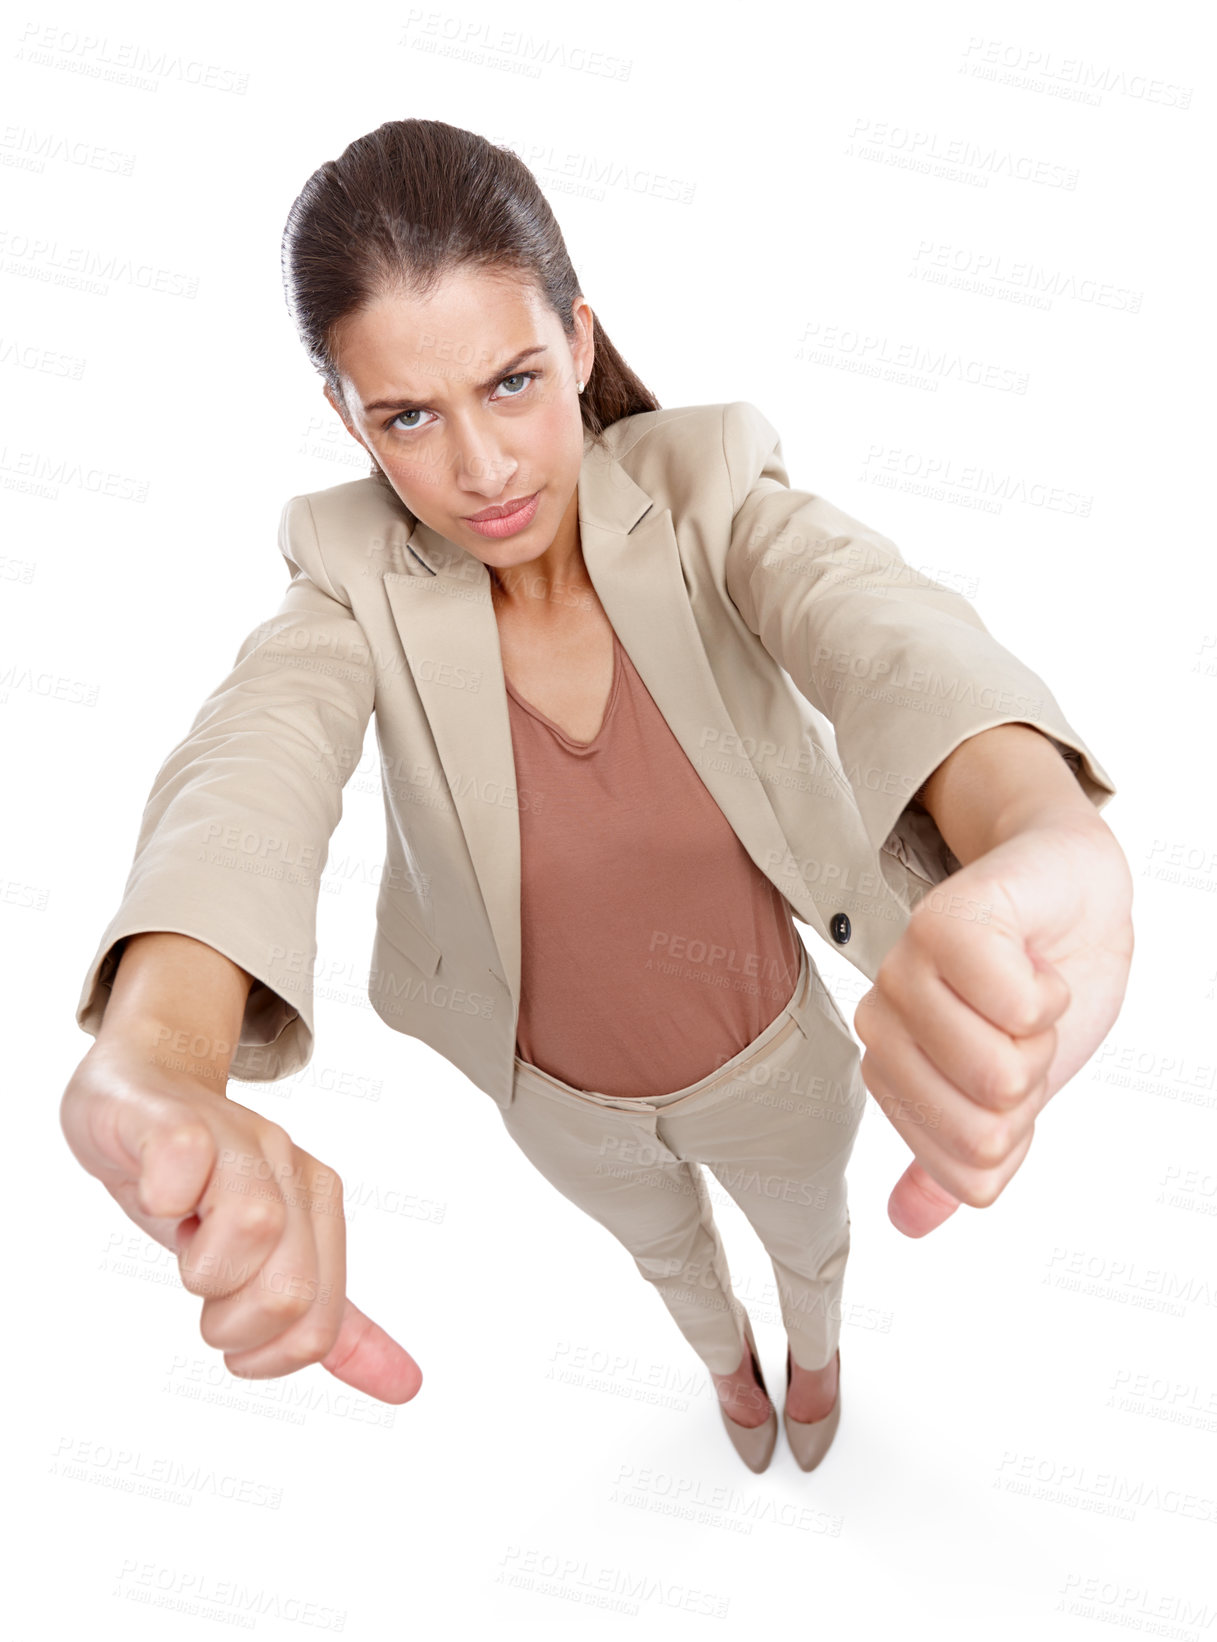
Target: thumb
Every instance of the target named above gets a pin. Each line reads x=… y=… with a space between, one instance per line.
x=365 y=1357
x=918 y=1203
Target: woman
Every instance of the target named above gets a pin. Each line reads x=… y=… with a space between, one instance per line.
x=664 y=1013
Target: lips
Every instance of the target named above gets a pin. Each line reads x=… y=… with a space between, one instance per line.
x=507 y=519
x=503 y=511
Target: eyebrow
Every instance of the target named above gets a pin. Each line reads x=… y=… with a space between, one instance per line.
x=491 y=382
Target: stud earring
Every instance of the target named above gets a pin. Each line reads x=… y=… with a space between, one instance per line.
x=580 y=386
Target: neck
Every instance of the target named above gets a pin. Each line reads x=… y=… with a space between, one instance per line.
x=557 y=577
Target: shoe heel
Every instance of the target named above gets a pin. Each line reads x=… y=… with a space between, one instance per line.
x=753 y=1443
x=810 y=1440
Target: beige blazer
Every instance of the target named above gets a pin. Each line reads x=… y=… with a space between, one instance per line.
x=813 y=679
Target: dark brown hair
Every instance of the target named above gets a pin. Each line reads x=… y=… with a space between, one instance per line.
x=402 y=207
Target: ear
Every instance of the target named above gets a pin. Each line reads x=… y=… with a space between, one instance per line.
x=583 y=349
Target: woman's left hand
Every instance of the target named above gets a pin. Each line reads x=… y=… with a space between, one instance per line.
x=1009 y=975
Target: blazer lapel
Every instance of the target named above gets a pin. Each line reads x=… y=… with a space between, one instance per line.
x=445 y=617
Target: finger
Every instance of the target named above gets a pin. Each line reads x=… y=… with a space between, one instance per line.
x=365 y=1357
x=979 y=1184
x=955 y=1140
x=166 y=1232
x=359 y=1352
x=241 y=1217
x=992 y=1068
x=152 y=1152
x=356 y=1350
x=254 y=1304
x=990 y=965
x=176 y=1161
x=918 y=1204
x=155 y=1146
x=309 y=1266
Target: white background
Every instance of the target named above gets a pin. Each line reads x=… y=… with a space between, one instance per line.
x=761 y=204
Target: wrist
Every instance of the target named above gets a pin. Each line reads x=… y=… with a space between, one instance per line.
x=169 y=1047
x=1001 y=782
x=1034 y=814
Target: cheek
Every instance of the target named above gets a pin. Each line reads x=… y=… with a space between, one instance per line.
x=416 y=475
x=560 y=444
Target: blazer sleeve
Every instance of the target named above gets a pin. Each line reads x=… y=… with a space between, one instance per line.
x=235 y=832
x=902 y=666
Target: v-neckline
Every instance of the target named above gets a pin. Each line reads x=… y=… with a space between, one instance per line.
x=579 y=746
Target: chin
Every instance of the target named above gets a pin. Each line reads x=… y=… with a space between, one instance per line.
x=506 y=555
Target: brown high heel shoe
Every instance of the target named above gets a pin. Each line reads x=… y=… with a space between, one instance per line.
x=810 y=1440
x=753 y=1443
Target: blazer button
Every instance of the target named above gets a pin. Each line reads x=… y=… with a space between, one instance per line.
x=840 y=927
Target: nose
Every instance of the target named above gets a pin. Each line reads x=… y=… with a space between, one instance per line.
x=482 y=468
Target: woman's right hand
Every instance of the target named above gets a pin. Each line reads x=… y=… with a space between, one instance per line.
x=256 y=1222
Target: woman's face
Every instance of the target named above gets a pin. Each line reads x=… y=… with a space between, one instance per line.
x=468 y=400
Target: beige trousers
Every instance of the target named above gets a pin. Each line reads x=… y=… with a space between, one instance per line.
x=775 y=1124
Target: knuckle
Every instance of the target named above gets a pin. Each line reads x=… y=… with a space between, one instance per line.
x=274 y=1137
x=314 y=1342
x=987 y=1145
x=1004 y=1085
x=982 y=1191
x=284 y=1308
x=296 y=1360
x=1023 y=1018
x=993 y=1148
x=260 y=1216
x=185 y=1132
x=207 y=1334
x=924 y=925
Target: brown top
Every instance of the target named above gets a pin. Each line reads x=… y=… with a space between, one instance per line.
x=654 y=949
